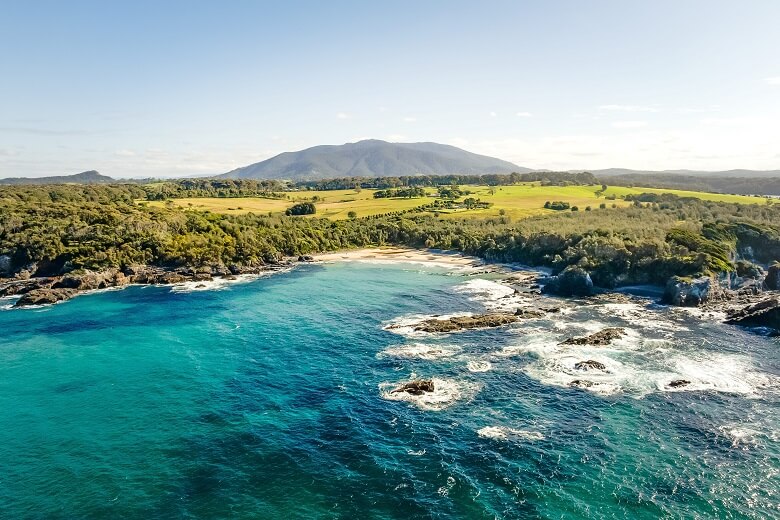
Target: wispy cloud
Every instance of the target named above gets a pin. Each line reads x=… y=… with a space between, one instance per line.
x=773 y=81
x=342 y=115
x=124 y=153
x=493 y=114
x=410 y=119
x=628 y=108
x=523 y=114
x=629 y=124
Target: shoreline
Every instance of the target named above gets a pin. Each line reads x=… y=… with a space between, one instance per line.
x=406 y=255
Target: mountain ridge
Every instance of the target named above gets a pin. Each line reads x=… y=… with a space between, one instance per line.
x=87 y=177
x=373 y=158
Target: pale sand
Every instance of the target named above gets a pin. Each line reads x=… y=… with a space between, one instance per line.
x=400 y=254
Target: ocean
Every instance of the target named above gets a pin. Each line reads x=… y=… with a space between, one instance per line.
x=271 y=397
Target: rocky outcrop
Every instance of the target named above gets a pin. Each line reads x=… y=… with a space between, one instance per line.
x=529 y=313
x=15 y=287
x=91 y=280
x=416 y=387
x=44 y=297
x=692 y=292
x=590 y=365
x=772 y=280
x=466 y=322
x=572 y=281
x=678 y=383
x=765 y=313
x=601 y=338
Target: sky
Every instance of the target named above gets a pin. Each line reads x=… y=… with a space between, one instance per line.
x=174 y=88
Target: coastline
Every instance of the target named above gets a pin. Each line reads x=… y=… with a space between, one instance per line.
x=405 y=255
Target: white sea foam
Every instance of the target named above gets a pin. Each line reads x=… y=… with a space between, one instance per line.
x=479 y=365
x=446 y=393
x=503 y=433
x=494 y=296
x=637 y=315
x=216 y=284
x=420 y=351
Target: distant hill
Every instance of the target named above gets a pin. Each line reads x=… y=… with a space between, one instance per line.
x=90 y=177
x=373 y=158
x=753 y=174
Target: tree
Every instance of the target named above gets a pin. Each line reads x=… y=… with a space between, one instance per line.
x=352 y=214
x=303 y=208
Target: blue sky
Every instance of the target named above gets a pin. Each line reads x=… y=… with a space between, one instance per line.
x=157 y=88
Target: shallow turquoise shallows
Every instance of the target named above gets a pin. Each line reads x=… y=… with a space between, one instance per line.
x=271 y=399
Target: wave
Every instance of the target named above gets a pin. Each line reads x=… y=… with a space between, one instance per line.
x=217 y=284
x=503 y=433
x=446 y=393
x=420 y=351
x=479 y=366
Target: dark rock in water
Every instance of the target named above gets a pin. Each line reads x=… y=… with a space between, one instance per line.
x=581 y=383
x=44 y=297
x=550 y=309
x=572 y=281
x=417 y=387
x=687 y=292
x=772 y=280
x=528 y=313
x=603 y=337
x=466 y=322
x=590 y=364
x=765 y=313
x=677 y=383
x=305 y=258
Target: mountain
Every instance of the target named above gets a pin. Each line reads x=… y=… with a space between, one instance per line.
x=373 y=158
x=90 y=177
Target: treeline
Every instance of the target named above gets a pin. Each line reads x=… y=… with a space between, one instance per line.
x=733 y=185
x=185 y=188
x=407 y=193
x=382 y=183
x=50 y=230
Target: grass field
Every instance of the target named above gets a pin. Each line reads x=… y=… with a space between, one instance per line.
x=517 y=201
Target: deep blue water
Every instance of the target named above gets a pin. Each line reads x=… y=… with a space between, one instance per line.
x=269 y=399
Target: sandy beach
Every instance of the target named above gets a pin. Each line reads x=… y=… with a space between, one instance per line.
x=407 y=255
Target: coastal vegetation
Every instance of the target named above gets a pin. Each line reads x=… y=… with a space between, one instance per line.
x=647 y=238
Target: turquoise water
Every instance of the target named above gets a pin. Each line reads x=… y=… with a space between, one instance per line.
x=268 y=399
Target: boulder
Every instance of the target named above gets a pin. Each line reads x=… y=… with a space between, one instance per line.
x=747 y=269
x=603 y=337
x=305 y=258
x=44 y=297
x=466 y=322
x=416 y=387
x=765 y=313
x=677 y=383
x=772 y=280
x=572 y=281
x=590 y=364
x=692 y=292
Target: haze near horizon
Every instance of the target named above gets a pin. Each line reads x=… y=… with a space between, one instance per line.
x=178 y=89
